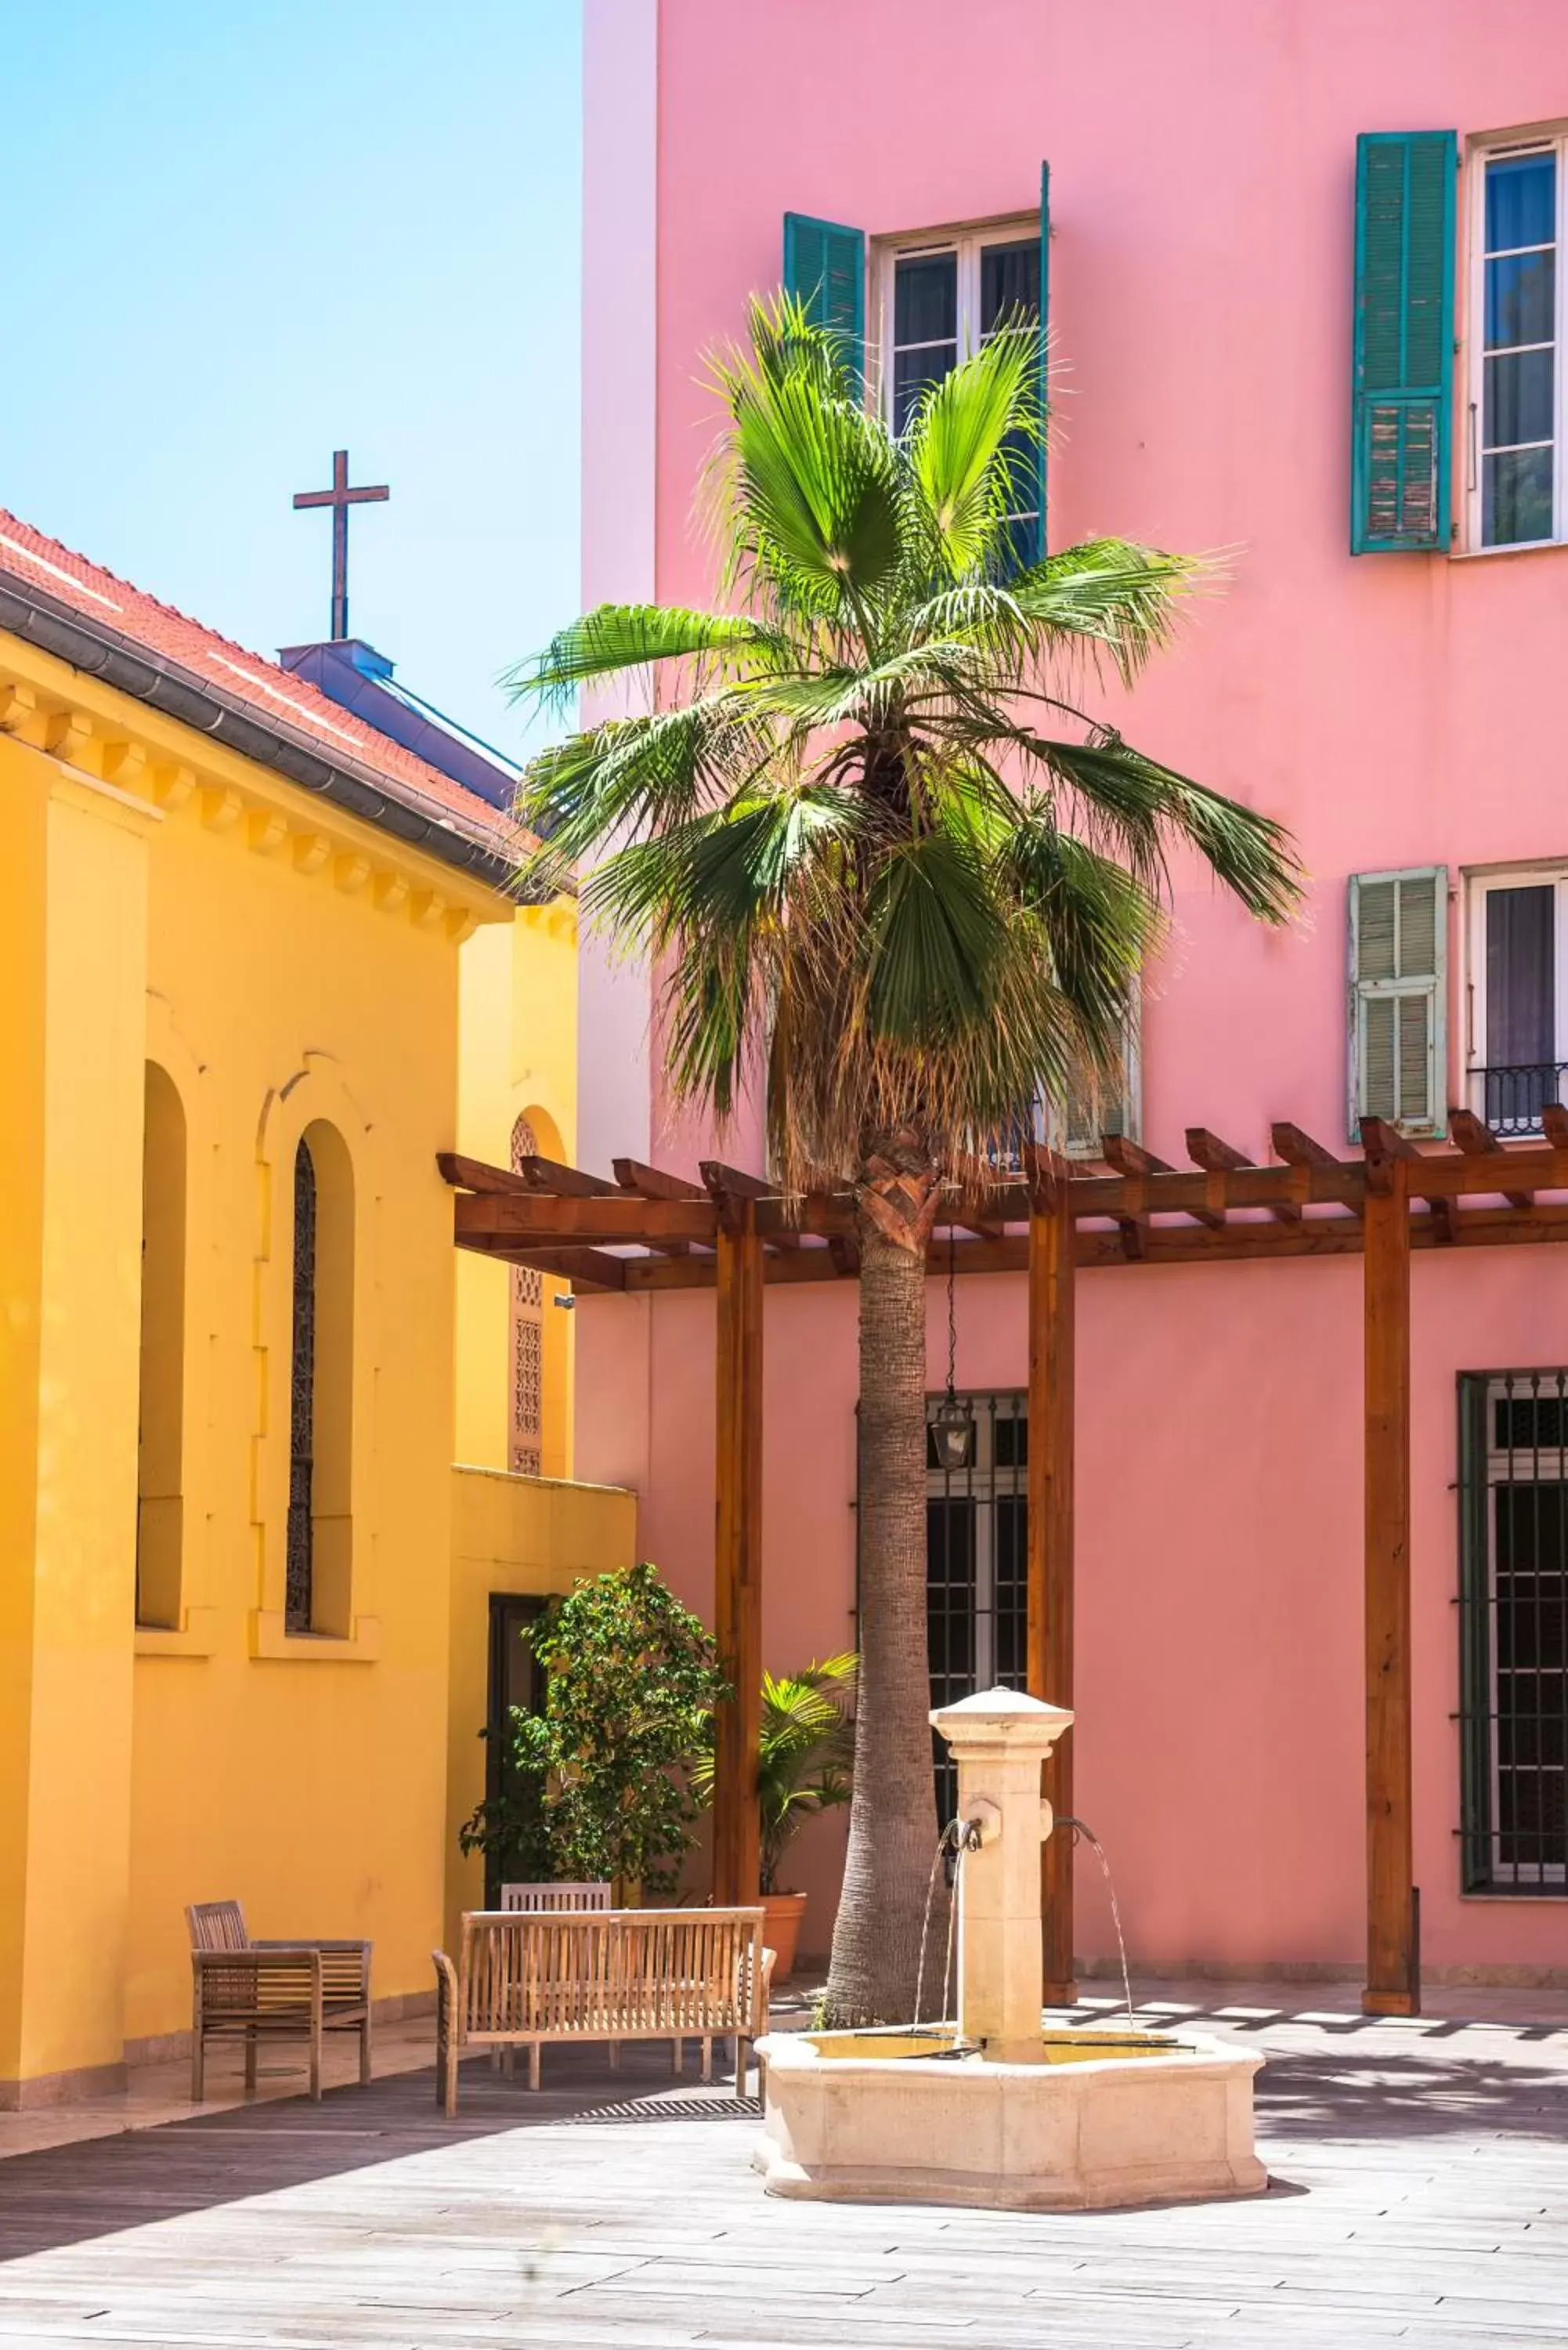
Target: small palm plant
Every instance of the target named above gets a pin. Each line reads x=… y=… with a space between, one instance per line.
x=890 y=868
x=808 y=1756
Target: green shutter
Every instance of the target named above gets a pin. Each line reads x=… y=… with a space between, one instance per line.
x=824 y=265
x=1044 y=323
x=1399 y=998
x=1403 y=419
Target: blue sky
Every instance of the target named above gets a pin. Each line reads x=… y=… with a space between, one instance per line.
x=245 y=232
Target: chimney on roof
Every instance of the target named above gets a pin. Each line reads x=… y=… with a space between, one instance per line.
x=358 y=678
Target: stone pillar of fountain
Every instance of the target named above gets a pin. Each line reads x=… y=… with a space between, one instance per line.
x=999 y=1739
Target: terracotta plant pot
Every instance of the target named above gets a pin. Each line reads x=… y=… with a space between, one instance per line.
x=780 y=1930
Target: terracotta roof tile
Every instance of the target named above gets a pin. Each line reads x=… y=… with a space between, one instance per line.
x=273 y=691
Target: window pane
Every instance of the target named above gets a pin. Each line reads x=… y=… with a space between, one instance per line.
x=1520 y=977
x=1517 y=398
x=925 y=299
x=1009 y=282
x=1516 y=496
x=912 y=371
x=1521 y=306
x=1521 y=202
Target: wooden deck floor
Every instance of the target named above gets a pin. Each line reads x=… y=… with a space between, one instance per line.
x=1421 y=2197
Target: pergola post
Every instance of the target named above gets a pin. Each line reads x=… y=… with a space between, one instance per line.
x=1393 y=1957
x=1052 y=1237
x=738 y=1595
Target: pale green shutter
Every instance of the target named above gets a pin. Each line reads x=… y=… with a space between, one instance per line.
x=1404 y=363
x=824 y=265
x=1114 y=1107
x=1399 y=998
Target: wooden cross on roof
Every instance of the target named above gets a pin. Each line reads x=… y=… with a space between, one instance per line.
x=340 y=497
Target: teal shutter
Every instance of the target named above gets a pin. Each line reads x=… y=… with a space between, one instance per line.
x=1044 y=323
x=1399 y=998
x=1403 y=419
x=824 y=265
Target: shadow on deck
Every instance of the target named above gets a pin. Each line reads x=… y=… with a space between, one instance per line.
x=95 y=2187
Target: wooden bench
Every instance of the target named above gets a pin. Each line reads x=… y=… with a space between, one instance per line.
x=272 y=1990
x=521 y=1978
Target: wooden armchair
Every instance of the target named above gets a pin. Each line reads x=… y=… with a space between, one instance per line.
x=272 y=1990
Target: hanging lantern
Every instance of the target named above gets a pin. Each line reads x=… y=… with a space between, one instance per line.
x=952 y=1423
x=952 y=1430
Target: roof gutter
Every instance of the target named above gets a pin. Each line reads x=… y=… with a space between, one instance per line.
x=39 y=619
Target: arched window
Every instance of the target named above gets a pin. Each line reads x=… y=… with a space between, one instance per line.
x=319 y=1553
x=527 y=1352
x=161 y=1430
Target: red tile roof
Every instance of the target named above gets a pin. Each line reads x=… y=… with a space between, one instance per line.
x=270 y=692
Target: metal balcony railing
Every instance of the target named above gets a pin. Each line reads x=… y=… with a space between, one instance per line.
x=1510 y=1097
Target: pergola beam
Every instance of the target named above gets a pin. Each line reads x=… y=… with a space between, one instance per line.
x=550 y=1175
x=653 y=1183
x=1206 y=1149
x=1475 y=1138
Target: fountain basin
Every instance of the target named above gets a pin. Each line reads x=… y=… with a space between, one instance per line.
x=1090 y=2124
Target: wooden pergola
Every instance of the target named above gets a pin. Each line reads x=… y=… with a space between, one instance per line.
x=642 y=1229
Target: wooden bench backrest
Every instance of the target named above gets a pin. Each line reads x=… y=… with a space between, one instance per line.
x=687 y=1972
x=217 y=1925
x=533 y=1897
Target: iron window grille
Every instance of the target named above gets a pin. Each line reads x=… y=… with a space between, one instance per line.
x=1514 y=1620
x=299 y=1571
x=977 y=1548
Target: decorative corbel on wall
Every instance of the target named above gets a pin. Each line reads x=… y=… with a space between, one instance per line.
x=21 y=716
x=221 y=809
x=69 y=736
x=461 y=922
x=125 y=766
x=266 y=831
x=427 y=910
x=389 y=892
x=350 y=872
x=172 y=786
x=311 y=851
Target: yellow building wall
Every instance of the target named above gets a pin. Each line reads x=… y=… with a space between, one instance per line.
x=73 y=931
x=284 y=963
x=512 y=1537
x=518 y=1059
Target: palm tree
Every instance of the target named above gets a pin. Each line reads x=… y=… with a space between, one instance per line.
x=885 y=862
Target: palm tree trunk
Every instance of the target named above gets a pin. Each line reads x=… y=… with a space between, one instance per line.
x=892 y=1818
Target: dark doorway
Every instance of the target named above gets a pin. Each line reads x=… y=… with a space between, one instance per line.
x=515 y=1679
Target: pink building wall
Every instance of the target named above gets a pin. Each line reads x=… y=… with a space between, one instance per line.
x=1392 y=710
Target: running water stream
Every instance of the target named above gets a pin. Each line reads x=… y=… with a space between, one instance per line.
x=1081 y=1828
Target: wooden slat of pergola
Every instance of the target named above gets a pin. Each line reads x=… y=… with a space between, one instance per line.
x=648 y=1230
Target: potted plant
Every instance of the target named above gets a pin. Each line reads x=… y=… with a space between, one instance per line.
x=806 y=1760
x=601 y=1780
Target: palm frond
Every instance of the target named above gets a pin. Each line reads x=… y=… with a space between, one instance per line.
x=616 y=639
x=973 y=442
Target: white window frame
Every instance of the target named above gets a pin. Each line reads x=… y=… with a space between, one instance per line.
x=887 y=252
x=1478 y=887
x=1491 y=150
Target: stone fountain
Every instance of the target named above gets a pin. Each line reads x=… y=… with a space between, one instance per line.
x=997 y=2110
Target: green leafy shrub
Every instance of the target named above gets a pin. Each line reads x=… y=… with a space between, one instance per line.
x=599 y=1780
